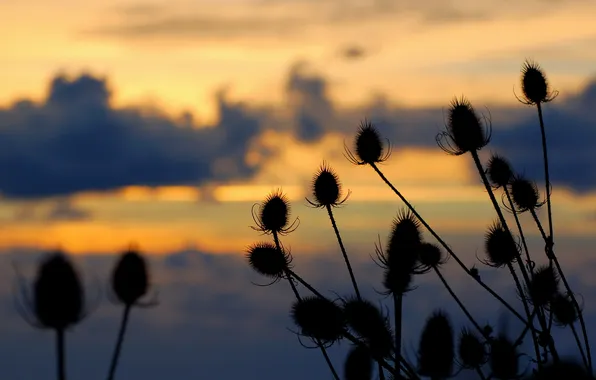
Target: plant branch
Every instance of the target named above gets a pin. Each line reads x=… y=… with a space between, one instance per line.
x=119 y=340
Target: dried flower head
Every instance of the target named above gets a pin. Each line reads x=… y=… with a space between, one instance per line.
x=501 y=248
x=368 y=322
x=503 y=358
x=543 y=286
x=319 y=318
x=130 y=278
x=326 y=188
x=429 y=256
x=368 y=146
x=359 y=364
x=436 y=349
x=563 y=310
x=499 y=171
x=269 y=261
x=273 y=215
x=472 y=351
x=58 y=294
x=465 y=132
x=535 y=86
x=525 y=194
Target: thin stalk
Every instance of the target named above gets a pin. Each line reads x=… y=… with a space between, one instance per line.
x=581 y=350
x=343 y=251
x=461 y=305
x=480 y=373
x=295 y=291
x=119 y=340
x=519 y=229
x=60 y=354
x=553 y=257
x=398 y=305
x=447 y=248
x=546 y=172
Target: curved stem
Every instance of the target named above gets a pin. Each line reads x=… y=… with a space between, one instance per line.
x=295 y=291
x=60 y=354
x=119 y=340
x=447 y=248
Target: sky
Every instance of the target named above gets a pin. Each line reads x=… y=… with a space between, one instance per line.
x=162 y=123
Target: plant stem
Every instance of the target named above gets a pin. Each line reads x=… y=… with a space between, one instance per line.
x=447 y=248
x=288 y=273
x=119 y=340
x=398 y=305
x=546 y=172
x=581 y=350
x=520 y=230
x=60 y=354
x=480 y=373
x=343 y=251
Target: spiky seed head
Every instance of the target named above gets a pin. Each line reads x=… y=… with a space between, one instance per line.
x=524 y=193
x=501 y=248
x=534 y=84
x=130 y=278
x=499 y=171
x=397 y=279
x=274 y=212
x=58 y=293
x=465 y=132
x=368 y=145
x=319 y=318
x=267 y=260
x=326 y=187
x=563 y=310
x=436 y=349
x=562 y=369
x=358 y=364
x=503 y=358
x=472 y=352
x=369 y=323
x=430 y=255
x=543 y=286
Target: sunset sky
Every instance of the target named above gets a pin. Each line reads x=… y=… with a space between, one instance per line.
x=161 y=123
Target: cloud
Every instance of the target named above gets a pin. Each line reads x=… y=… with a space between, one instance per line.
x=62 y=209
x=353 y=53
x=75 y=141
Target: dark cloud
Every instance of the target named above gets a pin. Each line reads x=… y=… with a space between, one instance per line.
x=75 y=140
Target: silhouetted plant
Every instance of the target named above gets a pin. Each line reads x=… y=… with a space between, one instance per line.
x=407 y=255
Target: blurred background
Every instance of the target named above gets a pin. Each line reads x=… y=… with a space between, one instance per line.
x=162 y=123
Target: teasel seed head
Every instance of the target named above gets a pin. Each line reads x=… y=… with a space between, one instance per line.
x=525 y=194
x=58 y=294
x=543 y=286
x=130 y=278
x=368 y=322
x=267 y=260
x=358 y=364
x=368 y=146
x=563 y=310
x=503 y=358
x=273 y=215
x=501 y=248
x=465 y=132
x=436 y=348
x=319 y=318
x=535 y=86
x=499 y=171
x=326 y=188
x=472 y=351
x=429 y=256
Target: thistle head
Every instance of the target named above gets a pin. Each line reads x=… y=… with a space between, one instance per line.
x=436 y=348
x=368 y=322
x=326 y=188
x=501 y=248
x=368 y=146
x=319 y=318
x=130 y=278
x=525 y=194
x=499 y=171
x=503 y=358
x=563 y=310
x=266 y=259
x=273 y=215
x=429 y=256
x=535 y=86
x=465 y=132
x=543 y=286
x=358 y=364
x=58 y=295
x=471 y=350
